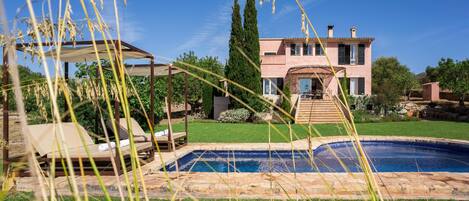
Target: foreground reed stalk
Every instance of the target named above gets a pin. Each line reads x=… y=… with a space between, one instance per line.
x=134 y=179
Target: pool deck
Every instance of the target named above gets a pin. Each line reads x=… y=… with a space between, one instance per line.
x=441 y=185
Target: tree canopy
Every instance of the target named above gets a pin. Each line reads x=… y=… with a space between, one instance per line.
x=235 y=61
x=200 y=93
x=244 y=60
x=452 y=75
x=391 y=79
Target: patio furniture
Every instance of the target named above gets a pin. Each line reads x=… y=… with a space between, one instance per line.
x=164 y=142
x=88 y=51
x=44 y=139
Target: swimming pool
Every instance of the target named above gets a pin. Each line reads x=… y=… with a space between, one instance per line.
x=385 y=156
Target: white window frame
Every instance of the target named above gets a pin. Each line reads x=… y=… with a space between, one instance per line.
x=353 y=54
x=322 y=51
x=308 y=46
x=353 y=86
x=272 y=86
x=299 y=46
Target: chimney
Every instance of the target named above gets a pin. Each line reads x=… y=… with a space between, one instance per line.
x=353 y=32
x=330 y=31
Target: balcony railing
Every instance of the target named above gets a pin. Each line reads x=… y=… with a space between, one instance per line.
x=273 y=59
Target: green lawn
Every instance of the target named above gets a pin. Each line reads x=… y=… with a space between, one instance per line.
x=247 y=132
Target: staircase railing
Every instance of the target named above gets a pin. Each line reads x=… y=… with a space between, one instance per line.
x=342 y=108
x=297 y=107
x=310 y=112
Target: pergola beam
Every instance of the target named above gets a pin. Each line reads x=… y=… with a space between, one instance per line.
x=19 y=46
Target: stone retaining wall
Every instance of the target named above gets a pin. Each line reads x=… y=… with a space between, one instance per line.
x=16 y=141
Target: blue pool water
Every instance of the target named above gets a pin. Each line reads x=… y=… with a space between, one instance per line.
x=385 y=156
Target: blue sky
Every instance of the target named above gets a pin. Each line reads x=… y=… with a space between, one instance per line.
x=417 y=32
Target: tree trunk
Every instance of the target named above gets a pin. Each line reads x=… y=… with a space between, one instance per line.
x=409 y=94
x=461 y=101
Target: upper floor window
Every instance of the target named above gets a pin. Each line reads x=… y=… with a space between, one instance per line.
x=307 y=49
x=351 y=54
x=270 y=53
x=295 y=49
x=319 y=50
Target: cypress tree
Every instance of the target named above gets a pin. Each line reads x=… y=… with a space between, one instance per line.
x=285 y=104
x=234 y=67
x=251 y=49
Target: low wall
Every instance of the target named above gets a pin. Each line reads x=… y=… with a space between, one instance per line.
x=220 y=104
x=16 y=144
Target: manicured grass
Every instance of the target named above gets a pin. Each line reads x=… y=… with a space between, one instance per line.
x=247 y=132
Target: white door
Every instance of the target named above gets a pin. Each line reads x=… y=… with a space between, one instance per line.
x=353 y=86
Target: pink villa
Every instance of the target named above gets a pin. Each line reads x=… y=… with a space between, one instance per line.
x=304 y=66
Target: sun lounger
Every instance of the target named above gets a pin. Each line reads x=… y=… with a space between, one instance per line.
x=164 y=142
x=44 y=138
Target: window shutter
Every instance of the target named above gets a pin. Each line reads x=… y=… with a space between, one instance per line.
x=361 y=86
x=279 y=85
x=341 y=54
x=347 y=55
x=318 y=49
x=361 y=54
x=292 y=49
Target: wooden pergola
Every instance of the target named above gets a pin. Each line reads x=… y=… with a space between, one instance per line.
x=85 y=51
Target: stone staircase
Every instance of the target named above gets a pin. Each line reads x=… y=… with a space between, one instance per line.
x=317 y=112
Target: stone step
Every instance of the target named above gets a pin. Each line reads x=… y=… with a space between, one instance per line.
x=318 y=111
x=319 y=114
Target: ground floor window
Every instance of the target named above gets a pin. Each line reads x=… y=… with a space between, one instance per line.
x=271 y=85
x=355 y=85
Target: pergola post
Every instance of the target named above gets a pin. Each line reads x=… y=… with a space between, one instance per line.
x=96 y=116
x=6 y=130
x=66 y=72
x=170 y=95
x=152 y=101
x=186 y=86
x=116 y=96
x=116 y=108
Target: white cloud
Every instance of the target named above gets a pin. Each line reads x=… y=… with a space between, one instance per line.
x=213 y=36
x=291 y=7
x=131 y=30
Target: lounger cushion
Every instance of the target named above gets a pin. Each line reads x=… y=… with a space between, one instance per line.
x=44 y=137
x=136 y=129
x=174 y=135
x=80 y=152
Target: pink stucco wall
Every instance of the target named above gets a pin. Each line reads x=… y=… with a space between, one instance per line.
x=431 y=91
x=278 y=65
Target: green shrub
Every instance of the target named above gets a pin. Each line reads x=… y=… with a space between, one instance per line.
x=362 y=116
x=285 y=103
x=234 y=116
x=360 y=102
